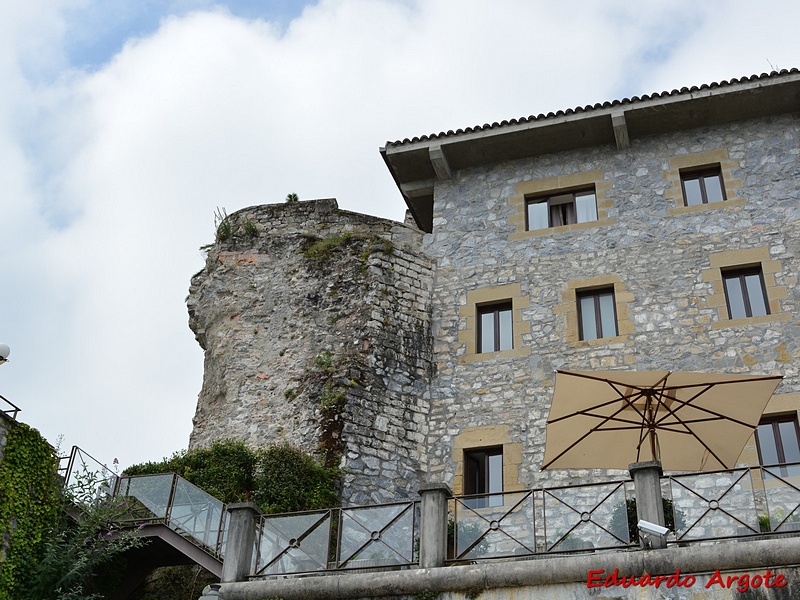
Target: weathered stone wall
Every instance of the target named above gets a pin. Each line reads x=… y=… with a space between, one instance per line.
x=659 y=256
x=316 y=332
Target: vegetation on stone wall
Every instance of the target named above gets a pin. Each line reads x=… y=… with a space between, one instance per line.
x=279 y=478
x=223 y=228
x=319 y=249
x=58 y=547
x=28 y=502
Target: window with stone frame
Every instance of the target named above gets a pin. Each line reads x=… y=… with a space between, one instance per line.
x=778 y=442
x=495 y=327
x=745 y=293
x=702 y=185
x=483 y=474
x=597 y=313
x=561 y=208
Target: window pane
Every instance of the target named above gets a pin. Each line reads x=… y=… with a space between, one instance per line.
x=586 y=205
x=713 y=185
x=495 y=478
x=692 y=190
x=495 y=473
x=537 y=215
x=733 y=291
x=755 y=293
x=766 y=443
x=789 y=441
x=506 y=334
x=588 y=322
x=487 y=332
x=607 y=321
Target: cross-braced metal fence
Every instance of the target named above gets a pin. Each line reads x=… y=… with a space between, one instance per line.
x=736 y=503
x=365 y=537
x=552 y=520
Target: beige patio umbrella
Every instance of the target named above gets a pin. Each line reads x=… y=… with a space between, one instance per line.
x=688 y=421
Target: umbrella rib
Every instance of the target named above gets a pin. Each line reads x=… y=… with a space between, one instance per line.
x=688 y=429
x=585 y=435
x=595 y=407
x=613 y=385
x=685 y=403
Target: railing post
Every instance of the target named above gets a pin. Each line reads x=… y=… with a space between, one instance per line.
x=241 y=541
x=433 y=528
x=649 y=505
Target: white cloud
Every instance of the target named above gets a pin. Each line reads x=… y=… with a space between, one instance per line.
x=111 y=178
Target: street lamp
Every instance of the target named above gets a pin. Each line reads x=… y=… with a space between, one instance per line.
x=4 y=352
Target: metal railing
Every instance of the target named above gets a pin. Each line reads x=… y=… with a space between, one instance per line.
x=11 y=412
x=750 y=501
x=167 y=499
x=366 y=537
x=180 y=505
x=732 y=504
x=547 y=520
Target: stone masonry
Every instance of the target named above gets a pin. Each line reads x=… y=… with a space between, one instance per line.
x=316 y=331
x=657 y=258
x=367 y=352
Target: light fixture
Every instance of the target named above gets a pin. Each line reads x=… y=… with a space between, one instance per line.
x=4 y=352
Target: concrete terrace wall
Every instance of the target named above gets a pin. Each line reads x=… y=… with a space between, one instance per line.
x=660 y=259
x=565 y=578
x=331 y=354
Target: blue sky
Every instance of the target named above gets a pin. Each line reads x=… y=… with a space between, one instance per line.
x=124 y=124
x=98 y=30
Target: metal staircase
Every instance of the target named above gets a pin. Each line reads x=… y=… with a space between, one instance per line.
x=185 y=525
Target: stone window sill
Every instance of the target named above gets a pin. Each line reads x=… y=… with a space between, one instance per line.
x=679 y=210
x=487 y=356
x=617 y=339
x=775 y=318
x=521 y=235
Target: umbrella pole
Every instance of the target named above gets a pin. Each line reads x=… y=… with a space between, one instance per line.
x=649 y=505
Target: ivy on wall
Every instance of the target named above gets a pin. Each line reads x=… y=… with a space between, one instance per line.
x=29 y=502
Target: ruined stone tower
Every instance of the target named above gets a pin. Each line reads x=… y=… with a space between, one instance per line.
x=315 y=324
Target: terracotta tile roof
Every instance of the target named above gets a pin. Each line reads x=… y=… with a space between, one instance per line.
x=589 y=108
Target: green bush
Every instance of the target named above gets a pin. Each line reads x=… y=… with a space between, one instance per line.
x=673 y=517
x=288 y=480
x=278 y=479
x=225 y=469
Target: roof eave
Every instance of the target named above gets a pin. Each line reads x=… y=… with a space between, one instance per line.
x=418 y=165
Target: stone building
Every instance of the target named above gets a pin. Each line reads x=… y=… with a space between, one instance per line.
x=656 y=232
